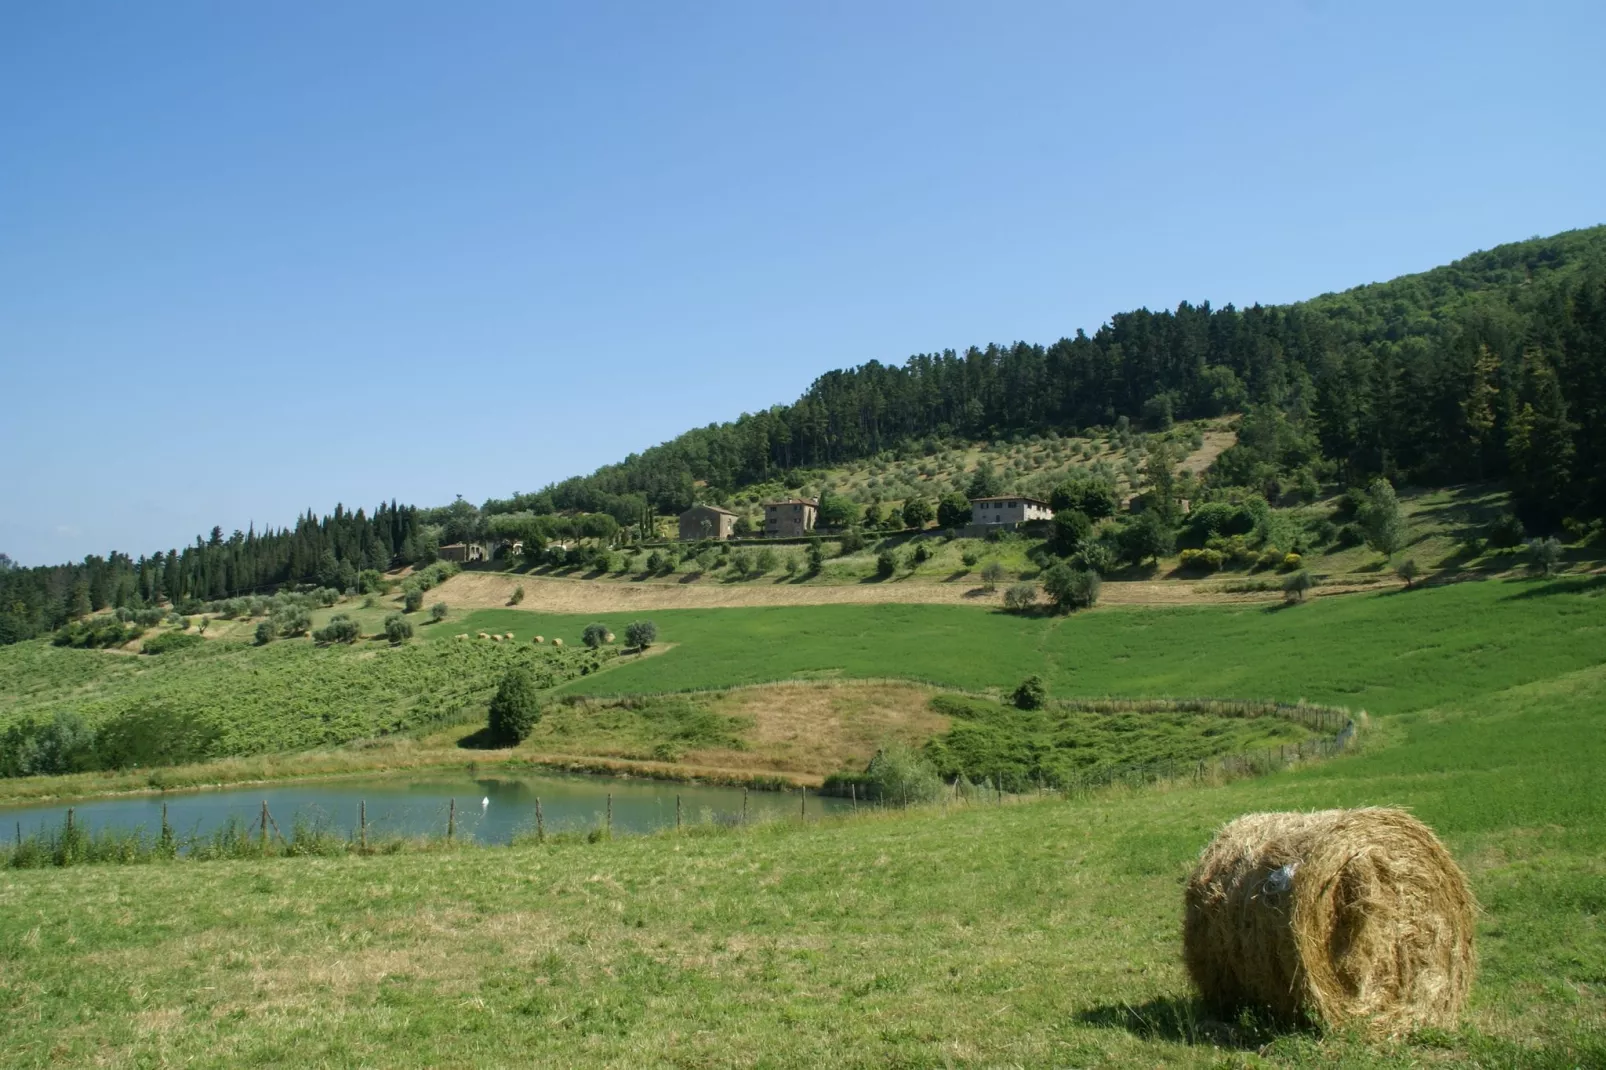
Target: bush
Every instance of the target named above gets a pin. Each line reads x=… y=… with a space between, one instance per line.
x=852 y=541
x=1071 y=588
x=917 y=513
x=438 y=611
x=1097 y=557
x=992 y=574
x=412 y=599
x=765 y=560
x=897 y=774
x=1148 y=537
x=1544 y=555
x=266 y=632
x=922 y=554
x=1506 y=531
x=340 y=629
x=1020 y=596
x=170 y=641
x=1072 y=527
x=515 y=709
x=970 y=557
x=1408 y=570
x=1202 y=560
x=641 y=634
x=518 y=596
x=1030 y=695
x=886 y=564
x=1295 y=586
x=1094 y=497
x=655 y=562
x=292 y=620
x=594 y=635
x=816 y=555
x=398 y=629
x=1290 y=562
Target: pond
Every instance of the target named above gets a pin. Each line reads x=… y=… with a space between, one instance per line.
x=489 y=808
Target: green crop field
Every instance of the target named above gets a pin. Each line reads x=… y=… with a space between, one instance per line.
x=1042 y=933
x=1382 y=652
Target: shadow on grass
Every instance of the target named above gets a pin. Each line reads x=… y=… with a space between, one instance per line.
x=957 y=575
x=1187 y=1021
x=1555 y=585
x=479 y=739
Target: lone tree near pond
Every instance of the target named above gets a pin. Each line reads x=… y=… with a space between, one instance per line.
x=515 y=709
x=641 y=634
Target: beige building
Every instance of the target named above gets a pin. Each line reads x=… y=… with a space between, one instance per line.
x=462 y=553
x=790 y=517
x=1008 y=509
x=706 y=522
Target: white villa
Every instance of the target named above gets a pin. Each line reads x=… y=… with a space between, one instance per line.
x=1008 y=509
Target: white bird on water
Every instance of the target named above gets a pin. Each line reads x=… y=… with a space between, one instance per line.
x=485 y=804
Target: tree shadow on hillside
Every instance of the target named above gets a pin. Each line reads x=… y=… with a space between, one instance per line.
x=1186 y=1021
x=1541 y=588
x=479 y=739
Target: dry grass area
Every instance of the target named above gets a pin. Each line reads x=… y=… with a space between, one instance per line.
x=542 y=594
x=1216 y=442
x=816 y=729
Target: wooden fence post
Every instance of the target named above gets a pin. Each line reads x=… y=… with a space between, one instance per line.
x=264 y=826
x=802 y=804
x=610 y=815
x=362 y=821
x=677 y=813
x=451 y=820
x=540 y=823
x=853 y=793
x=744 y=806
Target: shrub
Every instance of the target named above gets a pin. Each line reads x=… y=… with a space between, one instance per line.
x=594 y=635
x=992 y=574
x=1071 y=588
x=1072 y=527
x=816 y=555
x=970 y=557
x=515 y=709
x=1202 y=560
x=1030 y=695
x=1291 y=561
x=917 y=513
x=886 y=564
x=170 y=641
x=518 y=596
x=655 y=562
x=266 y=632
x=1544 y=555
x=852 y=541
x=1020 y=596
x=1408 y=570
x=398 y=629
x=292 y=620
x=340 y=629
x=765 y=560
x=640 y=634
x=922 y=554
x=791 y=565
x=1097 y=557
x=1148 y=537
x=1092 y=496
x=438 y=611
x=1295 y=586
x=897 y=774
x=412 y=599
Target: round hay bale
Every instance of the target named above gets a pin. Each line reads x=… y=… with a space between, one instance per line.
x=557 y=642
x=1338 y=916
x=538 y=639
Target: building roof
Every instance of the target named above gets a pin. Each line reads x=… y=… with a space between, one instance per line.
x=710 y=508
x=1010 y=498
x=793 y=501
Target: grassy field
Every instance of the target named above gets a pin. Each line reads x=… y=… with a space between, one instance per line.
x=1041 y=933
x=1383 y=652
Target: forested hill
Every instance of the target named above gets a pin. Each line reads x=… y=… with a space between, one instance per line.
x=1491 y=367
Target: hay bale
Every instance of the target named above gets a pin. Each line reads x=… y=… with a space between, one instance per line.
x=1339 y=915
x=538 y=639
x=557 y=642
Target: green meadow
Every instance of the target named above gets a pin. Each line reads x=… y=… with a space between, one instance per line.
x=1379 y=652
x=1038 y=933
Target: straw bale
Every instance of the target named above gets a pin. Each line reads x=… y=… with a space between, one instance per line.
x=1336 y=916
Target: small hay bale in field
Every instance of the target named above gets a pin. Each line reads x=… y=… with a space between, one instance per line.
x=1338 y=915
x=461 y=635
x=607 y=637
x=497 y=638
x=538 y=639
x=484 y=635
x=557 y=642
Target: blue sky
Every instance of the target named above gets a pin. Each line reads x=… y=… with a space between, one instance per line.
x=256 y=259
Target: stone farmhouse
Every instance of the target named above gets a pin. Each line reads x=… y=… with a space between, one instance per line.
x=1008 y=509
x=462 y=552
x=790 y=517
x=706 y=522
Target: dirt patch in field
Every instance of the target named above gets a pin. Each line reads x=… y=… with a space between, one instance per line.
x=1215 y=444
x=815 y=729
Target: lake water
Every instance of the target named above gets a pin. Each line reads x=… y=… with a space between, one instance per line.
x=490 y=808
